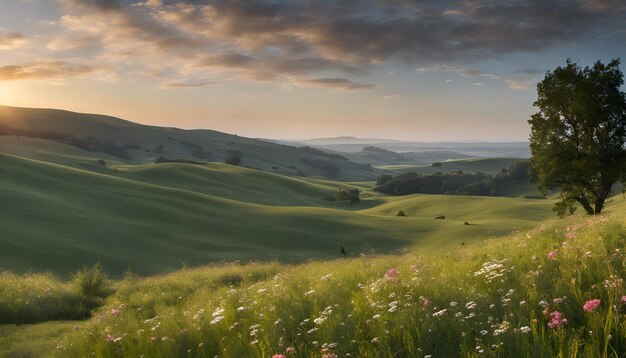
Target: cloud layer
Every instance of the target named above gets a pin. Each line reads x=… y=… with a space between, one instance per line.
x=329 y=43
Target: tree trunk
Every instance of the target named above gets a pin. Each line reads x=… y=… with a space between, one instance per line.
x=585 y=203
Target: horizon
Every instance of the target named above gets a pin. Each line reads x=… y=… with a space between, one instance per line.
x=434 y=71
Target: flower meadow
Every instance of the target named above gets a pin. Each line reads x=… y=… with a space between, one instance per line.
x=555 y=291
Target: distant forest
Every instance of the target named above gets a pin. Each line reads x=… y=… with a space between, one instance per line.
x=455 y=183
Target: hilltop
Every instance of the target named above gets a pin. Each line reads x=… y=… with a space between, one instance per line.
x=136 y=143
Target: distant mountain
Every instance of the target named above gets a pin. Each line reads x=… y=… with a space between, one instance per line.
x=116 y=139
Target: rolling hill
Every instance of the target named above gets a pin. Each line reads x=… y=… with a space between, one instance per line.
x=155 y=218
x=143 y=144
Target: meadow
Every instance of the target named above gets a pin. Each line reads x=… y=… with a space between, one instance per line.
x=555 y=290
x=155 y=218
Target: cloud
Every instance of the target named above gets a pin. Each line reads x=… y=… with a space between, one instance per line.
x=11 y=41
x=73 y=42
x=522 y=83
x=44 y=70
x=187 y=84
x=340 y=84
x=330 y=40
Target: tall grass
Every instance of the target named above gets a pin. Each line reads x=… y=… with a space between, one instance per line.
x=518 y=296
x=32 y=298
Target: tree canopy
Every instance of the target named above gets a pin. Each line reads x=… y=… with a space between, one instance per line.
x=577 y=136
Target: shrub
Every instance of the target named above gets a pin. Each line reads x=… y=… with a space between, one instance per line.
x=233 y=159
x=92 y=282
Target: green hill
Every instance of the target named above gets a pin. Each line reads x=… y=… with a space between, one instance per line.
x=154 y=218
x=555 y=290
x=146 y=143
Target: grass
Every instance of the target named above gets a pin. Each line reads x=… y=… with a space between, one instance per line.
x=255 y=153
x=490 y=297
x=32 y=340
x=155 y=218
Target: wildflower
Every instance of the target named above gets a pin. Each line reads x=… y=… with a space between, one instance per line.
x=290 y=350
x=115 y=312
x=470 y=305
x=453 y=304
x=525 y=329
x=556 y=320
x=440 y=313
x=241 y=309
x=329 y=355
x=153 y=339
x=521 y=303
x=375 y=340
x=392 y=275
x=376 y=316
x=591 y=305
x=553 y=254
x=623 y=299
x=279 y=356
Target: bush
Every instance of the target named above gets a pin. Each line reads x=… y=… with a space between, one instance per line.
x=233 y=159
x=383 y=179
x=92 y=282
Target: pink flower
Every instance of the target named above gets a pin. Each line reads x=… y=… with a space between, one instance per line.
x=591 y=305
x=556 y=320
x=392 y=275
x=623 y=299
x=290 y=350
x=553 y=254
x=279 y=356
x=329 y=355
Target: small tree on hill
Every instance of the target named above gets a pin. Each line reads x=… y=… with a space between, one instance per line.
x=577 y=137
x=348 y=194
x=233 y=159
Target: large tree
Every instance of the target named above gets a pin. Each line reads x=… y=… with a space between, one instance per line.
x=577 y=136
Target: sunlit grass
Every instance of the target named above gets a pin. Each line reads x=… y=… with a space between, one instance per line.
x=492 y=298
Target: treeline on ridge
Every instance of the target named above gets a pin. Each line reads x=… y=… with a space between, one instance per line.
x=455 y=183
x=89 y=143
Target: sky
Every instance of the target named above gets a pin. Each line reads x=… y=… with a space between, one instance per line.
x=422 y=70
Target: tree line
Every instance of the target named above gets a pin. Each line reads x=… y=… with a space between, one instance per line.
x=455 y=183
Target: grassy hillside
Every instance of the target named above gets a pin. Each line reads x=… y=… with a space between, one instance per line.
x=532 y=294
x=155 y=218
x=176 y=143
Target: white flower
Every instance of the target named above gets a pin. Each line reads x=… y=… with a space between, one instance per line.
x=453 y=304
x=525 y=329
x=440 y=313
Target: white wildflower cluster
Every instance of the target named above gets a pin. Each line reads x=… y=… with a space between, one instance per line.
x=217 y=315
x=440 y=313
x=393 y=306
x=492 y=270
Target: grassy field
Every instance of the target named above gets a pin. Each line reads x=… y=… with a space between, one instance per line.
x=156 y=218
x=531 y=294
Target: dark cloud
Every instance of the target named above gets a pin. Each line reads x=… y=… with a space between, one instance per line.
x=44 y=70
x=298 y=39
x=338 y=84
